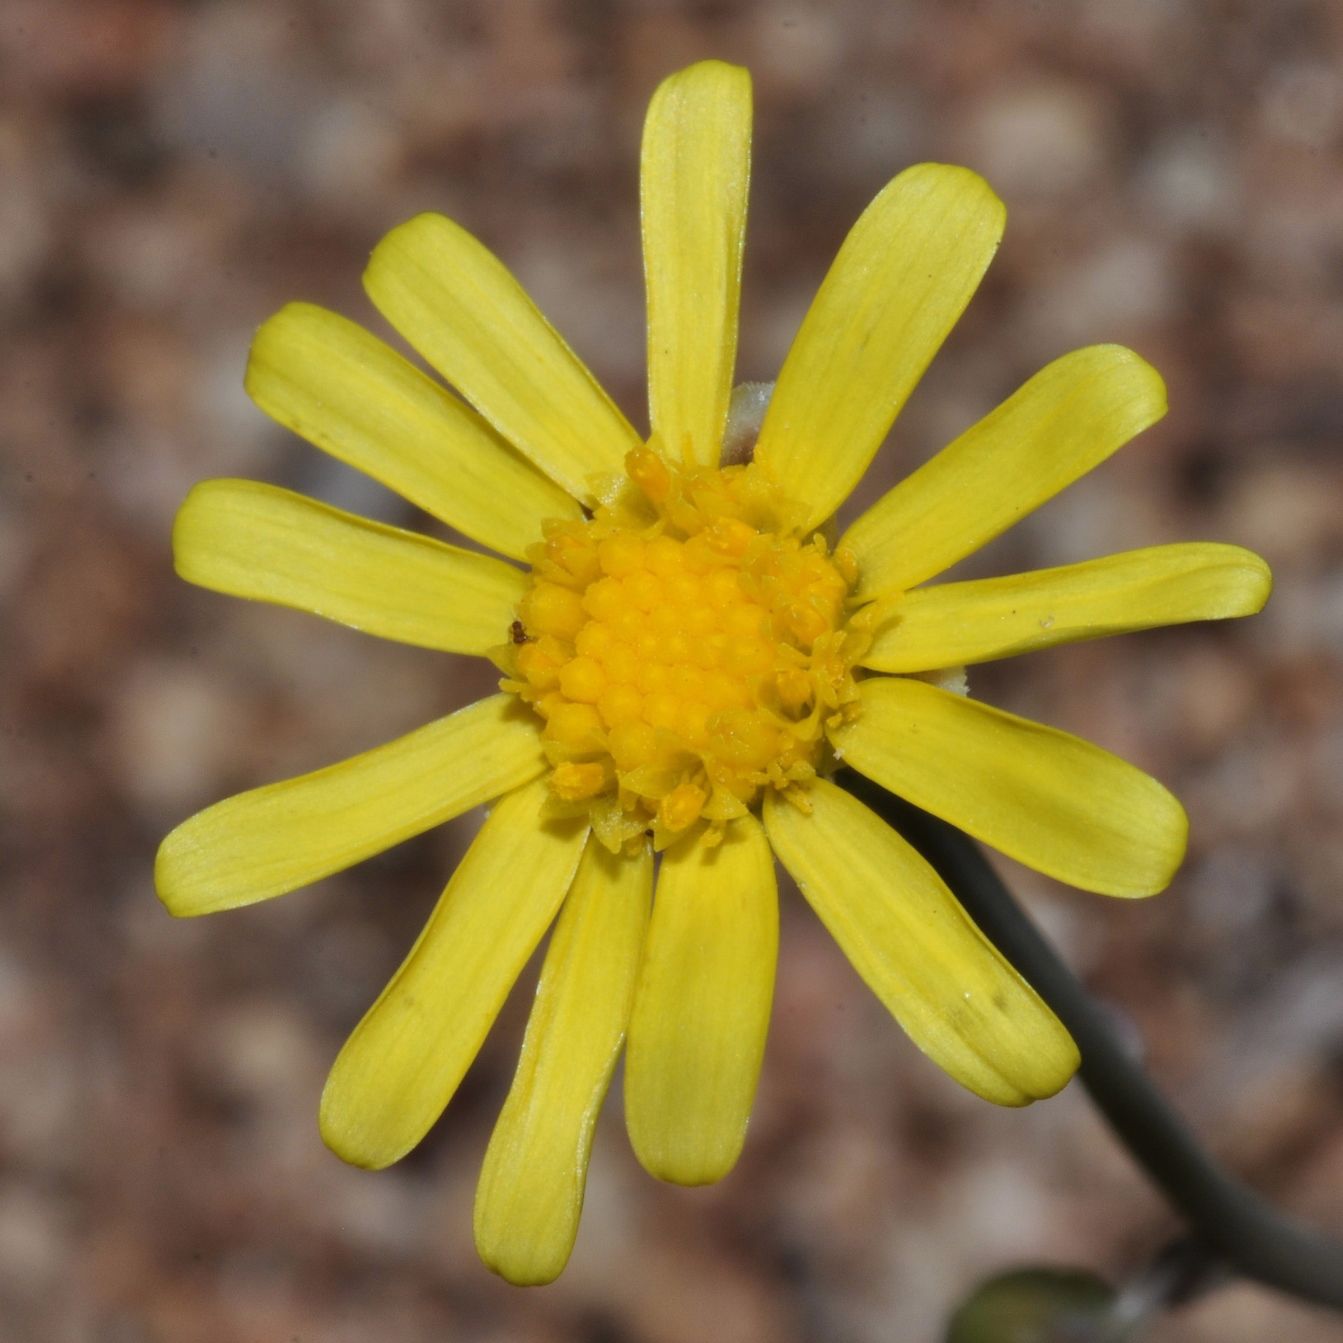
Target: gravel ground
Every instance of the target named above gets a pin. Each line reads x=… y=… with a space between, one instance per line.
x=170 y=174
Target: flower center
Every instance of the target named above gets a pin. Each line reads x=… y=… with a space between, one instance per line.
x=686 y=647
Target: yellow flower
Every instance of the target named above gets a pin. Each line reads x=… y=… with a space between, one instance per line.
x=685 y=659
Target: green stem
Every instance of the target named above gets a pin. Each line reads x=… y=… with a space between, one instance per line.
x=1178 y=1273
x=1252 y=1238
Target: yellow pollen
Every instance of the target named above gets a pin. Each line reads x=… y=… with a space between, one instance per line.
x=574 y=782
x=687 y=647
x=682 y=806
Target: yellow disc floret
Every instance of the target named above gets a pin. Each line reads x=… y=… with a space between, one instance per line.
x=687 y=647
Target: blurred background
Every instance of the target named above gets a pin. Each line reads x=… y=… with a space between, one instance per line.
x=172 y=173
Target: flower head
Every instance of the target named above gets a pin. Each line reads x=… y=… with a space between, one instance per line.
x=686 y=654
x=687 y=648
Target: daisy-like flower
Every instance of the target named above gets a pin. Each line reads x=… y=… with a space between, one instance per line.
x=685 y=656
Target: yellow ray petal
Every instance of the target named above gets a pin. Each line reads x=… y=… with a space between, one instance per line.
x=352 y=396
x=1053 y=429
x=399 y=1068
x=455 y=302
x=696 y=167
x=900 y=281
x=530 y=1193
x=271 y=545
x=701 y=1010
x=955 y=624
x=918 y=951
x=1048 y=799
x=274 y=839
